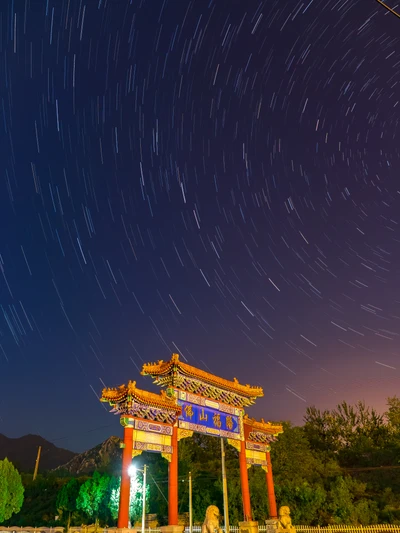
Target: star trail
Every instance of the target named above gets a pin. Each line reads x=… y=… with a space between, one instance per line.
x=215 y=178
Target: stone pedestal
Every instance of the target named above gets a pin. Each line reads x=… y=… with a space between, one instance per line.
x=251 y=526
x=272 y=525
x=172 y=529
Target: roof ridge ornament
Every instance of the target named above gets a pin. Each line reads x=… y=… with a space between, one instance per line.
x=130 y=392
x=166 y=373
x=262 y=425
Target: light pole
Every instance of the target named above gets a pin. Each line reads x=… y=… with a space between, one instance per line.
x=190 y=504
x=132 y=472
x=224 y=487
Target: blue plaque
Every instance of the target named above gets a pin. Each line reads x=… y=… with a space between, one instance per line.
x=200 y=418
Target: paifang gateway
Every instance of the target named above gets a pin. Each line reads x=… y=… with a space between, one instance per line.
x=191 y=400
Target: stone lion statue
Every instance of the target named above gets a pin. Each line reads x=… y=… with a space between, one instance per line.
x=211 y=521
x=285 y=522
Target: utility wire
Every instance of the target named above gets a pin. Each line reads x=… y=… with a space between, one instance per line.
x=161 y=492
x=80 y=433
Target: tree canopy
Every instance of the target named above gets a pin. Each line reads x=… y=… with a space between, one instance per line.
x=92 y=496
x=11 y=490
x=136 y=498
x=67 y=498
x=340 y=467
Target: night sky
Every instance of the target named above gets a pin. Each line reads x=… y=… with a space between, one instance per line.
x=216 y=178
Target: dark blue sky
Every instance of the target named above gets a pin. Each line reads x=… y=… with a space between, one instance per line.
x=214 y=178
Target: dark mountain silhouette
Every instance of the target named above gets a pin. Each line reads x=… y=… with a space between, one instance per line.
x=105 y=457
x=22 y=452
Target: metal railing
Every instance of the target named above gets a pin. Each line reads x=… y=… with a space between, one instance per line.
x=337 y=528
x=377 y=528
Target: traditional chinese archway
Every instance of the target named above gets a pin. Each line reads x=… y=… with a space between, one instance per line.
x=193 y=401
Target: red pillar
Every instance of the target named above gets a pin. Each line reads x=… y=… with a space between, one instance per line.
x=244 y=481
x=173 y=481
x=123 y=512
x=271 y=491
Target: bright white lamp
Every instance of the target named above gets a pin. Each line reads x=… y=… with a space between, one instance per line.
x=132 y=471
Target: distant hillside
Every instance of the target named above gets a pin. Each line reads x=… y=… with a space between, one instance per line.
x=105 y=456
x=23 y=450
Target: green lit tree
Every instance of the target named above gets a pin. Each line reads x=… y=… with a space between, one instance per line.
x=11 y=490
x=93 y=496
x=113 y=503
x=136 y=498
x=67 y=498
